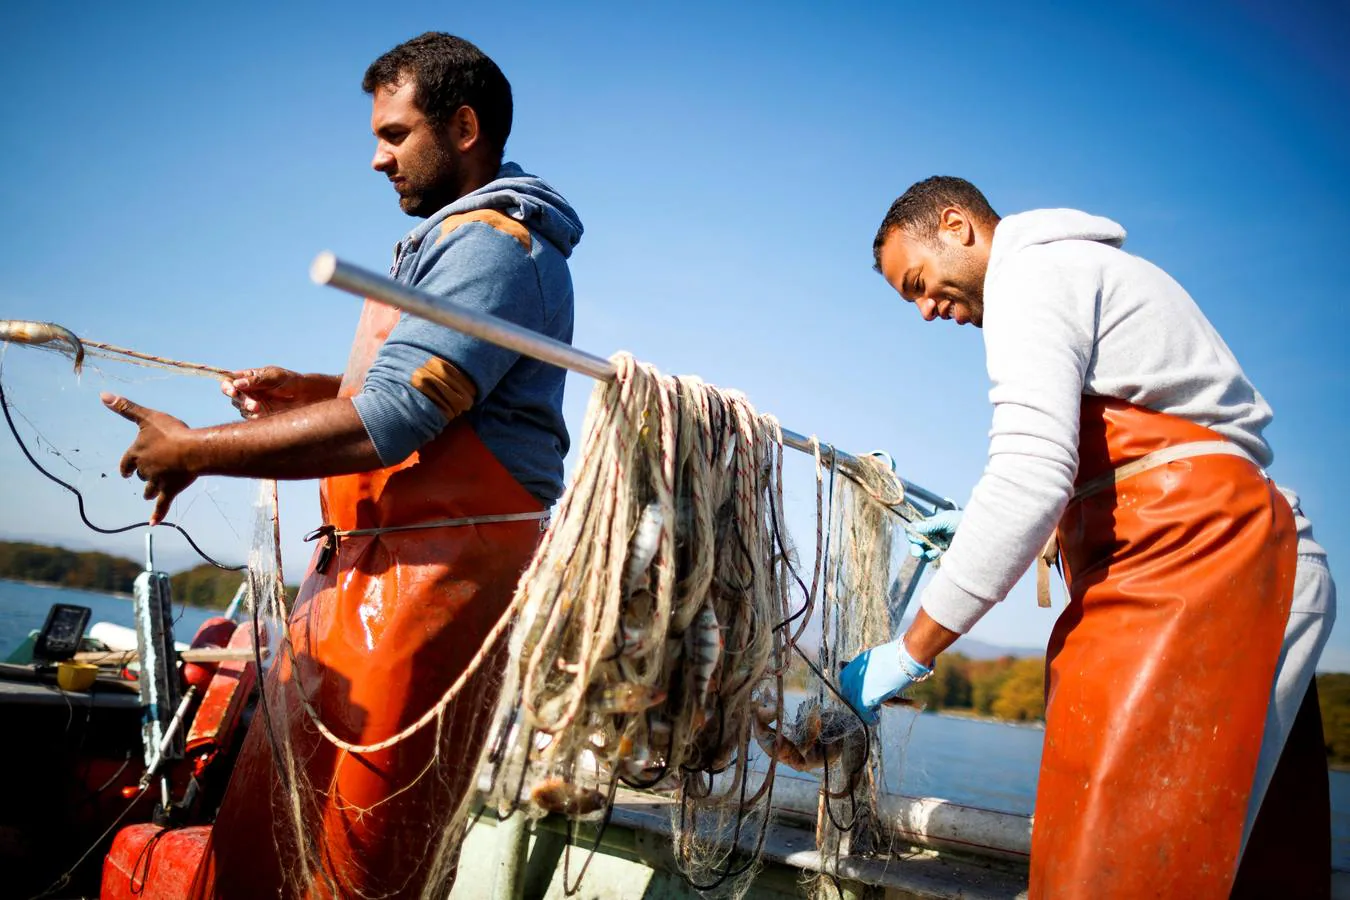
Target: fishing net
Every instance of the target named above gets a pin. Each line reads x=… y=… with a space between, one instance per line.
x=868 y=576
x=648 y=616
x=655 y=625
x=60 y=427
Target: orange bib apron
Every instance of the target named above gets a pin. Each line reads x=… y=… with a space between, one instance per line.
x=1159 y=671
x=379 y=636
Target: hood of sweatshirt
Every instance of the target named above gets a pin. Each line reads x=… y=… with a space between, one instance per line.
x=1045 y=226
x=527 y=199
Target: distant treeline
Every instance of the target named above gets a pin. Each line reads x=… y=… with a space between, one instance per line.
x=87 y=570
x=1333 y=695
x=1006 y=688
x=202 y=585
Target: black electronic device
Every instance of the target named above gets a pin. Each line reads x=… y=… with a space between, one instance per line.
x=60 y=635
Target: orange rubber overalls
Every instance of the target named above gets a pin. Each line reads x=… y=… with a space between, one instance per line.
x=379 y=636
x=1159 y=671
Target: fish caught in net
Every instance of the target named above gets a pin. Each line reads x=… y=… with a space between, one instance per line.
x=656 y=622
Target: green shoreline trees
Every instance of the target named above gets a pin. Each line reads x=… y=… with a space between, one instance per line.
x=203 y=585
x=87 y=570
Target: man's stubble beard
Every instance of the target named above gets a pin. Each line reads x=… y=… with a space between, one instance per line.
x=968 y=276
x=442 y=175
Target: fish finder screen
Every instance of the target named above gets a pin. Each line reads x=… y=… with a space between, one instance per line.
x=61 y=634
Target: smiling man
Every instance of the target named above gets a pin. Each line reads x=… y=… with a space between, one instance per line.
x=1123 y=422
x=440 y=455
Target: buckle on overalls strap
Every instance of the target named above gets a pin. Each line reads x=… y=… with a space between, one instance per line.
x=328 y=534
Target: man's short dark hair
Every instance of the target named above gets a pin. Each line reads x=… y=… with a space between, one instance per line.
x=919 y=210
x=449 y=72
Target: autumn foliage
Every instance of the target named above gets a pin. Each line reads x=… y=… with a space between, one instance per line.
x=1005 y=688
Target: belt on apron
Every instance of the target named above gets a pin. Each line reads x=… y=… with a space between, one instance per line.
x=1050 y=553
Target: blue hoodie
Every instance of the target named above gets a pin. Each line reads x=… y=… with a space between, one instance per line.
x=501 y=249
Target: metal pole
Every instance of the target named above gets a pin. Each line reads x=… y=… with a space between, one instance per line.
x=327 y=269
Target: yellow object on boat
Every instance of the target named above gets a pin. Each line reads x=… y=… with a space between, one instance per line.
x=76 y=676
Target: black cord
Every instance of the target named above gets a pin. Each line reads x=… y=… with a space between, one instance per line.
x=79 y=498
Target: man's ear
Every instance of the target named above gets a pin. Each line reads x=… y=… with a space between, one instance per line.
x=955 y=226
x=464 y=131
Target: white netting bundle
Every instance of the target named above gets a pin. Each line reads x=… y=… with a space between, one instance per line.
x=647 y=619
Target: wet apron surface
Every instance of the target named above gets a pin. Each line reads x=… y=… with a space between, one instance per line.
x=379 y=636
x=1159 y=671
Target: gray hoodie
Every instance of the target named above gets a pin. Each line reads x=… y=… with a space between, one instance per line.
x=1068 y=313
x=501 y=249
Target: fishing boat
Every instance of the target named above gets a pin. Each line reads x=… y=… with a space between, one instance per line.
x=153 y=756
x=120 y=726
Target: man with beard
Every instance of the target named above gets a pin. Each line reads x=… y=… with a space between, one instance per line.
x=1123 y=423
x=440 y=455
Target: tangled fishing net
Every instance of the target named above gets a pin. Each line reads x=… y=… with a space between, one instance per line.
x=648 y=616
x=655 y=623
x=865 y=586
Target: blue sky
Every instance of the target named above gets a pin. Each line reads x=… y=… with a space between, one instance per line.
x=166 y=176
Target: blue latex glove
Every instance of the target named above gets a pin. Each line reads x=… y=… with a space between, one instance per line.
x=875 y=676
x=939 y=528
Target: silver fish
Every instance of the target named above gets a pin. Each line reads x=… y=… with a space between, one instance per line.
x=659 y=733
x=642 y=547
x=703 y=645
x=21 y=332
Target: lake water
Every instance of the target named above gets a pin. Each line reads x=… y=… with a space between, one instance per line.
x=986 y=764
x=23 y=608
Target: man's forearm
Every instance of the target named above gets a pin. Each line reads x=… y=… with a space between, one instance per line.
x=925 y=638
x=314 y=441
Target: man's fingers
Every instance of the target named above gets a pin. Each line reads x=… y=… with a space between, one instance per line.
x=123 y=407
x=161 y=507
x=266 y=378
x=249 y=409
x=127 y=465
x=241 y=380
x=151 y=489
